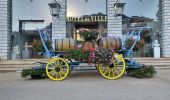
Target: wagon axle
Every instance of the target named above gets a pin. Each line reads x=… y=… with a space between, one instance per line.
x=111 y=66
x=57 y=69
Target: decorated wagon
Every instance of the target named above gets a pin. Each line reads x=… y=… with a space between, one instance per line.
x=106 y=53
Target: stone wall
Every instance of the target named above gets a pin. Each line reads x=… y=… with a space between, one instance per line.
x=165 y=7
x=59 y=23
x=114 y=24
x=5 y=28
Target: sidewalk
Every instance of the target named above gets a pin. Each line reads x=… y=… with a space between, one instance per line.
x=85 y=85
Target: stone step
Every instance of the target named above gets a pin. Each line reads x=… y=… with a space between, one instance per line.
x=30 y=62
x=46 y=60
x=18 y=65
x=152 y=60
x=24 y=61
x=10 y=69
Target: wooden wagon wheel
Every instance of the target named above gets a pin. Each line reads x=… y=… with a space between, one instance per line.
x=113 y=70
x=57 y=69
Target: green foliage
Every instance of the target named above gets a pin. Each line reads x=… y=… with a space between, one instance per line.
x=143 y=72
x=30 y=72
x=89 y=35
x=25 y=73
x=77 y=54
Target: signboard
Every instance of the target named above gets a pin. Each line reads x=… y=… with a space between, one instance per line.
x=87 y=19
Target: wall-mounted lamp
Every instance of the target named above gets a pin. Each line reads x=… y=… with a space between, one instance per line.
x=54 y=8
x=118 y=7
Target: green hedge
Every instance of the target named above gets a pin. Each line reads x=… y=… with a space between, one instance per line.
x=143 y=72
x=33 y=73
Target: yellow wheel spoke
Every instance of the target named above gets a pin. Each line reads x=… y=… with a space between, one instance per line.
x=105 y=72
x=53 y=73
x=113 y=72
x=56 y=62
x=109 y=73
x=115 y=62
x=119 y=65
x=62 y=73
x=63 y=69
x=59 y=74
x=60 y=65
x=52 y=65
x=105 y=68
x=118 y=69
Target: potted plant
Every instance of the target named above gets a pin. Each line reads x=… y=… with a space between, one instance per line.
x=140 y=44
x=88 y=35
x=38 y=46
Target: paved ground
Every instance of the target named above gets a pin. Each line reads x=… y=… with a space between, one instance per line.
x=84 y=85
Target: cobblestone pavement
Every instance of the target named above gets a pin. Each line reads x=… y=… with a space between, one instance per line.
x=85 y=85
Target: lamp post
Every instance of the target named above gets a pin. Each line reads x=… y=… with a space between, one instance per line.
x=54 y=8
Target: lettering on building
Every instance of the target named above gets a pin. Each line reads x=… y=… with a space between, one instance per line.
x=87 y=19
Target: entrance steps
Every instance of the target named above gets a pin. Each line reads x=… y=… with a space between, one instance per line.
x=18 y=65
x=156 y=62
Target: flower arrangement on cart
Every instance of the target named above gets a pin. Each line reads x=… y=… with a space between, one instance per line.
x=106 y=53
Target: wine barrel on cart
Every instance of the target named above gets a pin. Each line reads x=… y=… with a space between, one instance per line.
x=65 y=44
x=110 y=42
x=90 y=45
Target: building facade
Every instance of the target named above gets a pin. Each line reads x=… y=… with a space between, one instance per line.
x=59 y=24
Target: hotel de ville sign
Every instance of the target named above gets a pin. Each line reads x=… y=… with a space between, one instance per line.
x=87 y=19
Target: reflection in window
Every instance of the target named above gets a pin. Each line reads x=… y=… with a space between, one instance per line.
x=146 y=8
x=31 y=14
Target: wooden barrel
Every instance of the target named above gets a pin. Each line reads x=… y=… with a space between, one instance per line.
x=89 y=45
x=110 y=42
x=65 y=44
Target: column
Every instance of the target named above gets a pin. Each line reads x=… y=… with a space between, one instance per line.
x=59 y=23
x=114 y=24
x=5 y=28
x=165 y=37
